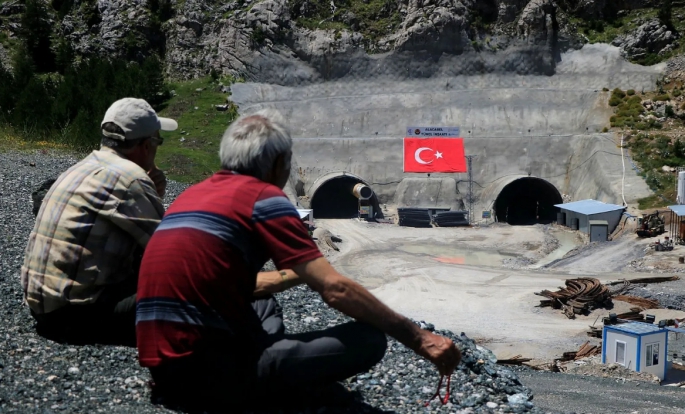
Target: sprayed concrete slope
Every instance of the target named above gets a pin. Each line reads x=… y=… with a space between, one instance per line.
x=517 y=126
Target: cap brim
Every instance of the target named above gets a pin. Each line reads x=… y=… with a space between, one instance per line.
x=168 y=124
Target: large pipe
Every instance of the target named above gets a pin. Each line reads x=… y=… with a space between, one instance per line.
x=362 y=192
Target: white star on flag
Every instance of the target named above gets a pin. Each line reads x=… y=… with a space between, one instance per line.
x=438 y=154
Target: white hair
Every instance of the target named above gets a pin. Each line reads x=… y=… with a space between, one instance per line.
x=253 y=142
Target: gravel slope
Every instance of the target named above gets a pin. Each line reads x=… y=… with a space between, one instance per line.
x=40 y=376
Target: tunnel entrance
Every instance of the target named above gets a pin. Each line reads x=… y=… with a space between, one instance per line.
x=334 y=199
x=527 y=201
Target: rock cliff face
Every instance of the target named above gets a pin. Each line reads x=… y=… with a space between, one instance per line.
x=300 y=41
x=651 y=37
x=265 y=41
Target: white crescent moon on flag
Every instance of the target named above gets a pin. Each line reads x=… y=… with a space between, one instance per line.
x=417 y=155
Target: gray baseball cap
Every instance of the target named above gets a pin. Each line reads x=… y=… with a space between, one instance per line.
x=136 y=118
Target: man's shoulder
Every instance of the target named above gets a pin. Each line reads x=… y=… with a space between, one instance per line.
x=226 y=182
x=227 y=194
x=127 y=171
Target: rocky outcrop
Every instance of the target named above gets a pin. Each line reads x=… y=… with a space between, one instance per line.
x=651 y=37
x=536 y=23
x=112 y=28
x=265 y=42
x=508 y=10
x=591 y=9
x=432 y=26
x=12 y=7
x=277 y=40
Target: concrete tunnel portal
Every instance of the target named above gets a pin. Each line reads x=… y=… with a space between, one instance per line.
x=334 y=197
x=526 y=201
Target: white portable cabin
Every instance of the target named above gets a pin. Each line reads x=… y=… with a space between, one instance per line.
x=639 y=346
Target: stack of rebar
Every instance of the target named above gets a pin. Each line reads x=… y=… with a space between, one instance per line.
x=586 y=350
x=638 y=301
x=580 y=296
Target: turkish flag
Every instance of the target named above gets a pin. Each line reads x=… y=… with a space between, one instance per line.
x=434 y=155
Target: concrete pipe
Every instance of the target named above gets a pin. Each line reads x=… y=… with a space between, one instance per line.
x=362 y=192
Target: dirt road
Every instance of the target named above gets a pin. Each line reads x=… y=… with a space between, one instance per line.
x=480 y=281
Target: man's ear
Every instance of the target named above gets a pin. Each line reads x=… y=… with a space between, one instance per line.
x=146 y=144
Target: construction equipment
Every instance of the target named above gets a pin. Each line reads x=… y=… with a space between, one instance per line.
x=665 y=246
x=650 y=225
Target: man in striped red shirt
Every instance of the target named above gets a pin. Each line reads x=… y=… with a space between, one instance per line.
x=207 y=326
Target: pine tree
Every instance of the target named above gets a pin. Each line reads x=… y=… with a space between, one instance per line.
x=7 y=97
x=679 y=149
x=32 y=110
x=36 y=31
x=154 y=89
x=24 y=68
x=64 y=57
x=665 y=13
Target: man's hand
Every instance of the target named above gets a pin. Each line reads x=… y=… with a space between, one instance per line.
x=157 y=176
x=440 y=351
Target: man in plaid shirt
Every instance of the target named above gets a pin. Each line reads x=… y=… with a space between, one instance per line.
x=81 y=263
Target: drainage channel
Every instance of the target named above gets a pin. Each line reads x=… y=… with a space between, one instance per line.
x=567 y=242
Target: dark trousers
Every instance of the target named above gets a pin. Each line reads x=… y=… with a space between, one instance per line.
x=226 y=373
x=110 y=321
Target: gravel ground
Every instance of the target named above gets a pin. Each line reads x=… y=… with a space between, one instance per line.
x=37 y=375
x=670 y=294
x=569 y=393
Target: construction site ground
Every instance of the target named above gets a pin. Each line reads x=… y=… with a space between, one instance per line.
x=482 y=280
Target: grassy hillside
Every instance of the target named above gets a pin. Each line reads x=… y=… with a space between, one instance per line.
x=190 y=153
x=653 y=124
x=605 y=31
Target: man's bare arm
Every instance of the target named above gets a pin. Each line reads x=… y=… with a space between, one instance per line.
x=269 y=283
x=354 y=300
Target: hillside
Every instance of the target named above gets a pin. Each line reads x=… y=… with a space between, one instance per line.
x=310 y=40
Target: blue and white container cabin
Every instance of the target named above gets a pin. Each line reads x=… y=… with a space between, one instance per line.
x=641 y=347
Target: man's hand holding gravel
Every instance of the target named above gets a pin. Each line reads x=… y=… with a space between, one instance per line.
x=440 y=351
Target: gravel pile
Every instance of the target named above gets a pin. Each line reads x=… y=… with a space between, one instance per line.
x=670 y=295
x=40 y=376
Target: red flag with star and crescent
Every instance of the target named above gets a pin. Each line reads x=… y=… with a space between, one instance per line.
x=434 y=155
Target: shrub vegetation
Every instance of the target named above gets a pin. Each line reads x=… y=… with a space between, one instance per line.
x=49 y=97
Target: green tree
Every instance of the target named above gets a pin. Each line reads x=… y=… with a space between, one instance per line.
x=36 y=31
x=64 y=56
x=154 y=89
x=7 y=96
x=679 y=149
x=24 y=68
x=63 y=7
x=670 y=113
x=665 y=13
x=32 y=110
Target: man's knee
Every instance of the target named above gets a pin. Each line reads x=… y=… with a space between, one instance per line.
x=375 y=342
